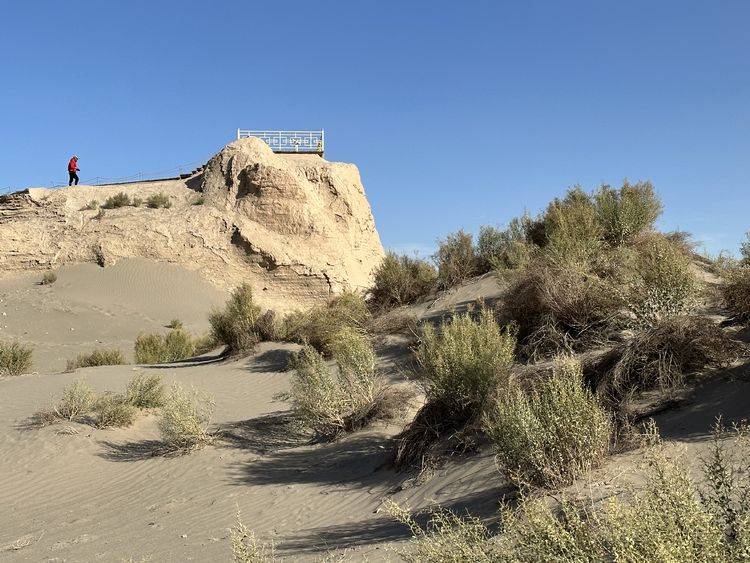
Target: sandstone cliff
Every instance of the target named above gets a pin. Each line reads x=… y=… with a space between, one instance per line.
x=296 y=227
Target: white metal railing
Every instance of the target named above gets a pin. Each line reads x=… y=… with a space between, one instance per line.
x=289 y=141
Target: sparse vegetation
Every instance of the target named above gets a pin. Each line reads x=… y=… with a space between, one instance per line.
x=77 y=401
x=553 y=432
x=100 y=357
x=351 y=399
x=145 y=391
x=186 y=416
x=456 y=259
x=736 y=292
x=159 y=349
x=199 y=201
x=246 y=547
x=113 y=409
x=15 y=358
x=136 y=202
x=175 y=324
x=237 y=325
x=92 y=205
x=116 y=201
x=159 y=200
x=400 y=280
x=48 y=278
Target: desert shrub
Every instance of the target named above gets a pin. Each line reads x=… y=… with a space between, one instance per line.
x=204 y=344
x=100 y=357
x=320 y=326
x=118 y=200
x=113 y=409
x=461 y=364
x=551 y=434
x=745 y=250
x=270 y=327
x=160 y=200
x=401 y=279
x=236 y=326
x=559 y=308
x=626 y=212
x=456 y=259
x=199 y=201
x=175 y=323
x=15 y=358
x=246 y=547
x=660 y=356
x=136 y=202
x=665 y=284
x=76 y=402
x=571 y=230
x=48 y=278
x=186 y=416
x=503 y=249
x=352 y=398
x=158 y=349
x=736 y=292
x=145 y=391
x=92 y=205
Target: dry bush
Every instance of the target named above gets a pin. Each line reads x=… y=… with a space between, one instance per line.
x=400 y=280
x=15 y=358
x=626 y=212
x=185 y=419
x=561 y=307
x=745 y=250
x=270 y=327
x=352 y=398
x=395 y=322
x=503 y=249
x=736 y=292
x=159 y=349
x=92 y=205
x=119 y=200
x=48 y=278
x=114 y=410
x=320 y=326
x=175 y=324
x=246 y=547
x=551 y=434
x=100 y=357
x=204 y=344
x=461 y=364
x=76 y=402
x=236 y=325
x=456 y=259
x=660 y=356
x=160 y=200
x=136 y=202
x=145 y=391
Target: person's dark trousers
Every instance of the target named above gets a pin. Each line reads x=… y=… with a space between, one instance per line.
x=73 y=178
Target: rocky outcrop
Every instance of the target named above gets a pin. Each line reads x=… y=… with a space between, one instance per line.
x=296 y=227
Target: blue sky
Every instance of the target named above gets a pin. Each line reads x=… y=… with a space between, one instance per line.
x=457 y=113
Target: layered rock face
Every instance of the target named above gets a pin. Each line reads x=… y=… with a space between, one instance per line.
x=296 y=227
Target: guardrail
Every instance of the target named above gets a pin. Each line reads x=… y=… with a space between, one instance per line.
x=289 y=141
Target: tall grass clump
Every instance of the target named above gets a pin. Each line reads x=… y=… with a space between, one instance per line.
x=460 y=365
x=626 y=212
x=319 y=327
x=735 y=292
x=550 y=434
x=236 y=325
x=351 y=398
x=456 y=259
x=400 y=280
x=186 y=416
x=77 y=401
x=48 y=278
x=118 y=200
x=145 y=391
x=15 y=358
x=158 y=348
x=246 y=547
x=99 y=357
x=159 y=200
x=113 y=409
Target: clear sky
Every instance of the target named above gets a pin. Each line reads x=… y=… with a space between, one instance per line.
x=457 y=113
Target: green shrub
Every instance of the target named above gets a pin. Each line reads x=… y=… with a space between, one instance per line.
x=236 y=326
x=175 y=323
x=185 y=419
x=200 y=201
x=136 y=202
x=626 y=213
x=736 y=292
x=551 y=434
x=159 y=349
x=456 y=259
x=503 y=249
x=119 y=200
x=113 y=410
x=320 y=325
x=572 y=233
x=48 y=278
x=101 y=357
x=351 y=399
x=76 y=402
x=204 y=344
x=145 y=391
x=15 y=358
x=270 y=327
x=400 y=280
x=160 y=200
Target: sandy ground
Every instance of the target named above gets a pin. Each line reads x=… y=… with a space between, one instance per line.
x=70 y=492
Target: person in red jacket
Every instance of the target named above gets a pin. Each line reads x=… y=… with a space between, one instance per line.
x=72 y=170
